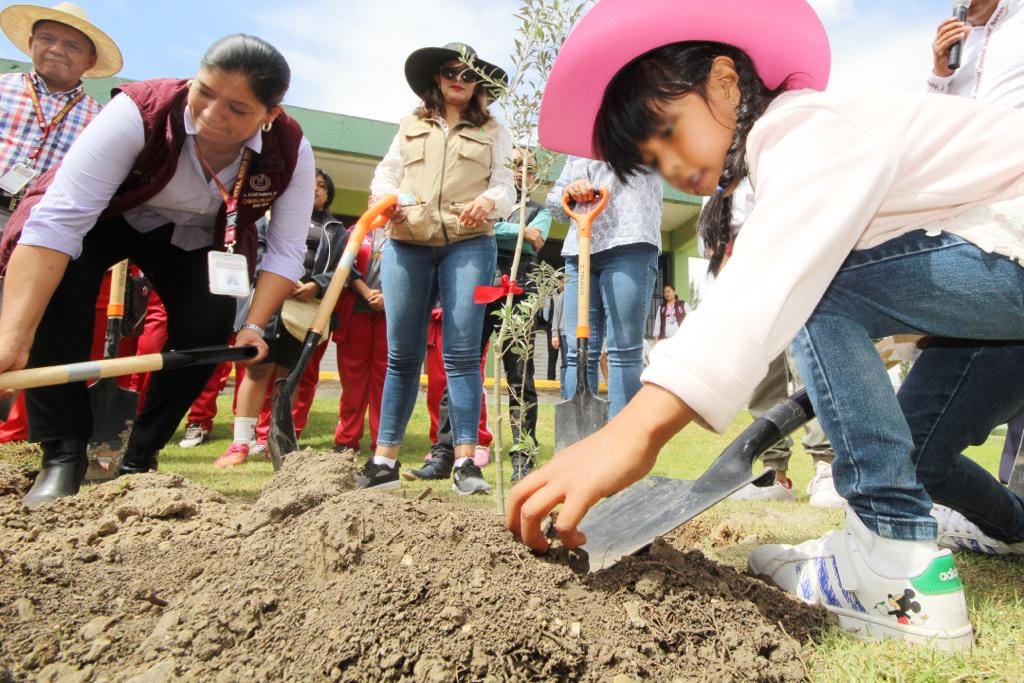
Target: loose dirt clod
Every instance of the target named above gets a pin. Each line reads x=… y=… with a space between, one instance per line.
x=152 y=578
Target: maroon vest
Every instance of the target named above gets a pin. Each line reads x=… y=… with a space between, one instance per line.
x=161 y=102
x=663 y=313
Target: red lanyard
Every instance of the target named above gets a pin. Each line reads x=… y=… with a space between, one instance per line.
x=230 y=200
x=41 y=118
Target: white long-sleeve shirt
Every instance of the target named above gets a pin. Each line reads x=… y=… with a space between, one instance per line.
x=831 y=174
x=103 y=156
x=500 y=187
x=992 y=63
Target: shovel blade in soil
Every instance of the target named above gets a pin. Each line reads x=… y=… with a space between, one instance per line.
x=630 y=520
x=281 y=440
x=113 y=413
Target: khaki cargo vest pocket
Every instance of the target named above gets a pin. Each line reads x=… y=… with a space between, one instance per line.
x=475 y=146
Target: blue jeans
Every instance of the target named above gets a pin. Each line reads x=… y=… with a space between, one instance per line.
x=896 y=454
x=621 y=284
x=412 y=277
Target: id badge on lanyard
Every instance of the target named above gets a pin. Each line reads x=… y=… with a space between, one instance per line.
x=16 y=179
x=228 y=271
x=23 y=172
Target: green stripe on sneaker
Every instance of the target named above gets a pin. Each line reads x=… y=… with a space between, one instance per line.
x=940 y=577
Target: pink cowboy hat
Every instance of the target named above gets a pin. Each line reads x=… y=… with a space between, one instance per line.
x=784 y=38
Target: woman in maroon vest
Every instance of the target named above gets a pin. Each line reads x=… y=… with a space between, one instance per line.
x=153 y=179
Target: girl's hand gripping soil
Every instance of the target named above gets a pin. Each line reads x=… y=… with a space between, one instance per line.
x=617 y=455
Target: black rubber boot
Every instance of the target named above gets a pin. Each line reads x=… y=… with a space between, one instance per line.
x=63 y=470
x=438 y=467
x=137 y=461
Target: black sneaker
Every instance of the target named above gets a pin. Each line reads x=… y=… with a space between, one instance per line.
x=468 y=480
x=438 y=467
x=374 y=476
x=522 y=466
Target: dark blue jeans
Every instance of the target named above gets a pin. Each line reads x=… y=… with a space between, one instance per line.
x=895 y=455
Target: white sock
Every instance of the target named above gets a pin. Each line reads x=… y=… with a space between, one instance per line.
x=462 y=461
x=245 y=429
x=381 y=460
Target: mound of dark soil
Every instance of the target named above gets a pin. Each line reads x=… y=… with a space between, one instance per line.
x=152 y=578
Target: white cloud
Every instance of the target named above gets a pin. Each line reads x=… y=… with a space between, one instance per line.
x=831 y=10
x=349 y=57
x=873 y=53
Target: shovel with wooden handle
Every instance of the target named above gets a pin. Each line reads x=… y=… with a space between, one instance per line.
x=117 y=367
x=281 y=440
x=629 y=521
x=584 y=413
x=113 y=407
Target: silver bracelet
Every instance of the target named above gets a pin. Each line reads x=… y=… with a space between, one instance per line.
x=255 y=328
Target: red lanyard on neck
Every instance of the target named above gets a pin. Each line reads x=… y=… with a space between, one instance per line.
x=230 y=200
x=45 y=127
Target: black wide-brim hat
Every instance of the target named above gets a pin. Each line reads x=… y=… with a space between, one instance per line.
x=423 y=64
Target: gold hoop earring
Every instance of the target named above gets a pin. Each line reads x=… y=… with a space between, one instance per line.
x=267 y=126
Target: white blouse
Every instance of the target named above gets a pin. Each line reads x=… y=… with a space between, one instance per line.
x=101 y=159
x=833 y=173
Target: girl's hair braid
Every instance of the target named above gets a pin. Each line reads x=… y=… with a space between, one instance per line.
x=715 y=221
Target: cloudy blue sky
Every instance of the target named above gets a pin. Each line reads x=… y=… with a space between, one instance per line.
x=347 y=55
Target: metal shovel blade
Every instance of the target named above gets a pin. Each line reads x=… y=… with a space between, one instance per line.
x=580 y=416
x=281 y=440
x=114 y=410
x=1016 y=481
x=630 y=520
x=7 y=404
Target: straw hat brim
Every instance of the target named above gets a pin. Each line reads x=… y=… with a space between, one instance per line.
x=17 y=22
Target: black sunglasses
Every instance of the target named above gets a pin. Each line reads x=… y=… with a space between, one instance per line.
x=450 y=73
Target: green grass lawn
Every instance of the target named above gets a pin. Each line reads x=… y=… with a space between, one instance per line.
x=994 y=585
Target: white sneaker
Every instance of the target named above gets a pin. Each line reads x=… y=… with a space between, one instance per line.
x=877 y=587
x=956 y=532
x=777 y=491
x=822 y=488
x=195 y=435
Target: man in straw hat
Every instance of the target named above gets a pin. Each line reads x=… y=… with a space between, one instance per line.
x=43 y=111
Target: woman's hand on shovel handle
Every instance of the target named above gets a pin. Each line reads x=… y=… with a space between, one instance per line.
x=250 y=337
x=617 y=455
x=581 y=191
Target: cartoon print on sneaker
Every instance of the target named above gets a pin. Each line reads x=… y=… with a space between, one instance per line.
x=901 y=606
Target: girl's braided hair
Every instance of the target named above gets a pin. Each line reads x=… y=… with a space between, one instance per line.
x=634 y=104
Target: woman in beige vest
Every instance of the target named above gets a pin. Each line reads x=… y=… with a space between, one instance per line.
x=449 y=164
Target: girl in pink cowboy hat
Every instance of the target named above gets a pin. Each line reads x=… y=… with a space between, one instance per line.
x=875 y=215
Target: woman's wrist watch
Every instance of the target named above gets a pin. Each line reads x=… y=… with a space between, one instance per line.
x=258 y=329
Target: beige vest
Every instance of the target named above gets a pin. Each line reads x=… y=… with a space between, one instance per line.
x=443 y=175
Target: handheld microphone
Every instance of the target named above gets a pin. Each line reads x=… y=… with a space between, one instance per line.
x=956 y=50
